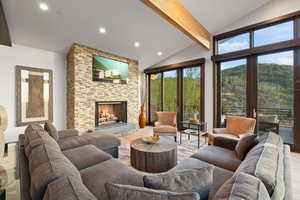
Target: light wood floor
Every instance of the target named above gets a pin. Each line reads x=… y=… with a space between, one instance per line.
x=185 y=150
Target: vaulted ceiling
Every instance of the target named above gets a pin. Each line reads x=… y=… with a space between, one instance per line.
x=126 y=21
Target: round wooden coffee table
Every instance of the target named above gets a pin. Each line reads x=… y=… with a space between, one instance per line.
x=154 y=158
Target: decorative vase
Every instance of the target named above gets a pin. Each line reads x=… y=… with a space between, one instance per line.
x=142 y=118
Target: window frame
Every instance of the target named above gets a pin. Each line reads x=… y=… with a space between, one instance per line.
x=251 y=55
x=179 y=79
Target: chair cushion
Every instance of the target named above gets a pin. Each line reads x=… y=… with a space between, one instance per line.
x=102 y=141
x=191 y=180
x=220 y=175
x=52 y=131
x=239 y=125
x=165 y=129
x=242 y=186
x=129 y=192
x=166 y=118
x=218 y=156
x=67 y=188
x=86 y=156
x=95 y=177
x=242 y=147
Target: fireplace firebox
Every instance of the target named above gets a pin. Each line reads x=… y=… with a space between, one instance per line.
x=110 y=113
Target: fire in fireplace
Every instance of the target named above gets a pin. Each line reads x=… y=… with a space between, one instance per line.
x=110 y=112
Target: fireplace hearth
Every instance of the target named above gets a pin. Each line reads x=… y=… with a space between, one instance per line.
x=110 y=113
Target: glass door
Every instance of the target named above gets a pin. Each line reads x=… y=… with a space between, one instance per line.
x=155 y=95
x=192 y=93
x=275 y=94
x=170 y=91
x=233 y=88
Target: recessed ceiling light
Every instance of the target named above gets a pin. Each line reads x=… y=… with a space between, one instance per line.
x=44 y=7
x=102 y=30
x=159 y=53
x=137 y=44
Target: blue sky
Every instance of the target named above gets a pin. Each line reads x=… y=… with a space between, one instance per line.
x=269 y=35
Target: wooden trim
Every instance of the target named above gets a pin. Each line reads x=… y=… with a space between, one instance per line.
x=176 y=14
x=149 y=97
x=296 y=146
x=184 y=64
x=4 y=33
x=202 y=87
x=259 y=25
x=258 y=50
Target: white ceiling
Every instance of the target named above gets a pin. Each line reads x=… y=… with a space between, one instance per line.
x=126 y=21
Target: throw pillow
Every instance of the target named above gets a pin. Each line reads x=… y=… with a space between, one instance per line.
x=245 y=142
x=52 y=131
x=193 y=180
x=242 y=186
x=129 y=192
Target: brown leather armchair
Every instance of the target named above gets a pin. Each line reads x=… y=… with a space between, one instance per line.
x=165 y=124
x=235 y=127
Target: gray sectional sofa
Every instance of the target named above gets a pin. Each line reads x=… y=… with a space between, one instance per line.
x=52 y=169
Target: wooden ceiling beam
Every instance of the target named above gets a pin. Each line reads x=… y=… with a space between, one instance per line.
x=175 y=13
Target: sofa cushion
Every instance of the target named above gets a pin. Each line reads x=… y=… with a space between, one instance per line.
x=244 y=144
x=52 y=131
x=67 y=188
x=42 y=154
x=220 y=175
x=191 y=180
x=239 y=125
x=41 y=138
x=102 y=141
x=95 y=177
x=49 y=171
x=86 y=156
x=242 y=186
x=266 y=163
x=218 y=156
x=129 y=192
x=30 y=132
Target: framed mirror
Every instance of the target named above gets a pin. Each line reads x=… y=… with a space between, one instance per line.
x=34 y=95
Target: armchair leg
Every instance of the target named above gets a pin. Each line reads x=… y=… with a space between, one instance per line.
x=175 y=138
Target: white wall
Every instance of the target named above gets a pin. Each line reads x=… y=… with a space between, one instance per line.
x=270 y=10
x=25 y=56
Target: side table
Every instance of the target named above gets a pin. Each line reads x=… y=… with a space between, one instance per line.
x=191 y=128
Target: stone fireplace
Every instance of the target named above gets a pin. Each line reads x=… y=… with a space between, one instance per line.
x=83 y=92
x=110 y=113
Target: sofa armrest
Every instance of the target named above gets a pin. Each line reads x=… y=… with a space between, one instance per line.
x=68 y=133
x=220 y=130
x=225 y=142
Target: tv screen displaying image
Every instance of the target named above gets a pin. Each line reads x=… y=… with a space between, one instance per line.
x=109 y=70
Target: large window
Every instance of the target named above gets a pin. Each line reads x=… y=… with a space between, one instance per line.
x=170 y=91
x=156 y=94
x=233 y=88
x=178 y=90
x=234 y=43
x=274 y=34
x=191 y=93
x=261 y=80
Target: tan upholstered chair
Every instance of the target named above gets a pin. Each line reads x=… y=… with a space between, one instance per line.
x=235 y=127
x=165 y=124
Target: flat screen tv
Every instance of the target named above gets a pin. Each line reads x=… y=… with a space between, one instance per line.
x=109 y=70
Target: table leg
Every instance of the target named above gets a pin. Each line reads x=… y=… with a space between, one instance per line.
x=198 y=141
x=180 y=137
x=189 y=136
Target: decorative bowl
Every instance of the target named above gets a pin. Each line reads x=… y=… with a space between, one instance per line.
x=150 y=139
